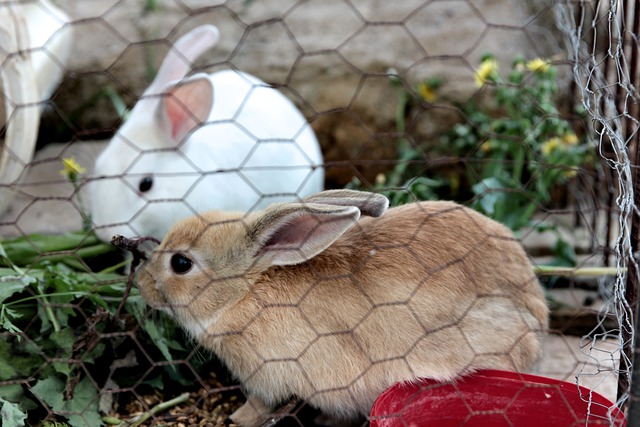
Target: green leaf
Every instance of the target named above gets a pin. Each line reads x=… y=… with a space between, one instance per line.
x=5 y=321
x=15 y=393
x=565 y=254
x=12 y=354
x=10 y=285
x=155 y=382
x=158 y=338
x=11 y=415
x=50 y=391
x=7 y=371
x=490 y=194
x=63 y=368
x=81 y=411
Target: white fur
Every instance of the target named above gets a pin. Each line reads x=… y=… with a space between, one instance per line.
x=255 y=148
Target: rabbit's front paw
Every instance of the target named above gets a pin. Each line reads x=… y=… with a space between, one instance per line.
x=252 y=414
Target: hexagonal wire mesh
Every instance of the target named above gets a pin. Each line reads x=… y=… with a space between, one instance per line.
x=526 y=113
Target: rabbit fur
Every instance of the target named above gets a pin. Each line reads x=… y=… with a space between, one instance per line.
x=307 y=299
x=223 y=141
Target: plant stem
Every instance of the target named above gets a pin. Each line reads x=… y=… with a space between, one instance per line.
x=162 y=406
x=113 y=268
x=72 y=259
x=404 y=151
x=518 y=163
x=102 y=290
x=26 y=250
x=47 y=308
x=81 y=253
x=86 y=220
x=116 y=100
x=545 y=270
x=532 y=207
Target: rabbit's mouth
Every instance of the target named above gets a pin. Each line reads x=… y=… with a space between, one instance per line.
x=147 y=283
x=150 y=292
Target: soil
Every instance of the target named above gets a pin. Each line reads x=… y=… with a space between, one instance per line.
x=202 y=408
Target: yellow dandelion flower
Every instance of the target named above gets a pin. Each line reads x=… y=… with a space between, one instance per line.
x=570 y=138
x=486 y=146
x=486 y=72
x=550 y=145
x=71 y=167
x=538 y=65
x=427 y=92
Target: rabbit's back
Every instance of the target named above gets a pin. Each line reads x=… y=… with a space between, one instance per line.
x=439 y=243
x=433 y=243
x=430 y=290
x=439 y=283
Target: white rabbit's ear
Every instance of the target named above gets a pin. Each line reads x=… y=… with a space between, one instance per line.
x=184 y=106
x=370 y=204
x=183 y=53
x=293 y=233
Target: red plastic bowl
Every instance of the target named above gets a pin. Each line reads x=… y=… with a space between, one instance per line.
x=494 y=399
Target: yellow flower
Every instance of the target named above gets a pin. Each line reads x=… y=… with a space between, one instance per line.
x=538 y=65
x=570 y=138
x=71 y=168
x=427 y=92
x=550 y=145
x=486 y=72
x=486 y=146
x=570 y=173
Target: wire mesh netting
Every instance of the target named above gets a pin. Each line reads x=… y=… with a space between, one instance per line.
x=240 y=291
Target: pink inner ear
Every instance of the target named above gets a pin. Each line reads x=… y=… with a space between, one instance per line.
x=293 y=234
x=186 y=106
x=299 y=233
x=179 y=116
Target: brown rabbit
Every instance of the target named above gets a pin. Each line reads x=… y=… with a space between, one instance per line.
x=307 y=300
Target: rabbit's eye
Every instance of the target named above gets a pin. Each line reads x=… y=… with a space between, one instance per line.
x=180 y=264
x=145 y=184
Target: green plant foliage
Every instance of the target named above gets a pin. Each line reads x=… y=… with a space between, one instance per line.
x=404 y=183
x=82 y=410
x=518 y=146
x=515 y=146
x=54 y=312
x=11 y=414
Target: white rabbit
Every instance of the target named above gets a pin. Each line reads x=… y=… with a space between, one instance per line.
x=306 y=299
x=226 y=141
x=35 y=42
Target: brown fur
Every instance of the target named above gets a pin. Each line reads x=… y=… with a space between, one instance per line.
x=429 y=289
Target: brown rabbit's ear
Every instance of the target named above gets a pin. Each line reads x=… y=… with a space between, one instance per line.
x=369 y=204
x=293 y=233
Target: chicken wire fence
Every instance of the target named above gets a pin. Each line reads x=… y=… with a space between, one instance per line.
x=525 y=113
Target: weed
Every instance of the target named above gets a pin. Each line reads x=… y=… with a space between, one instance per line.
x=515 y=145
x=59 y=335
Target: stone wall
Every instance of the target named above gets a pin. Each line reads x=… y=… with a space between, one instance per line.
x=330 y=56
